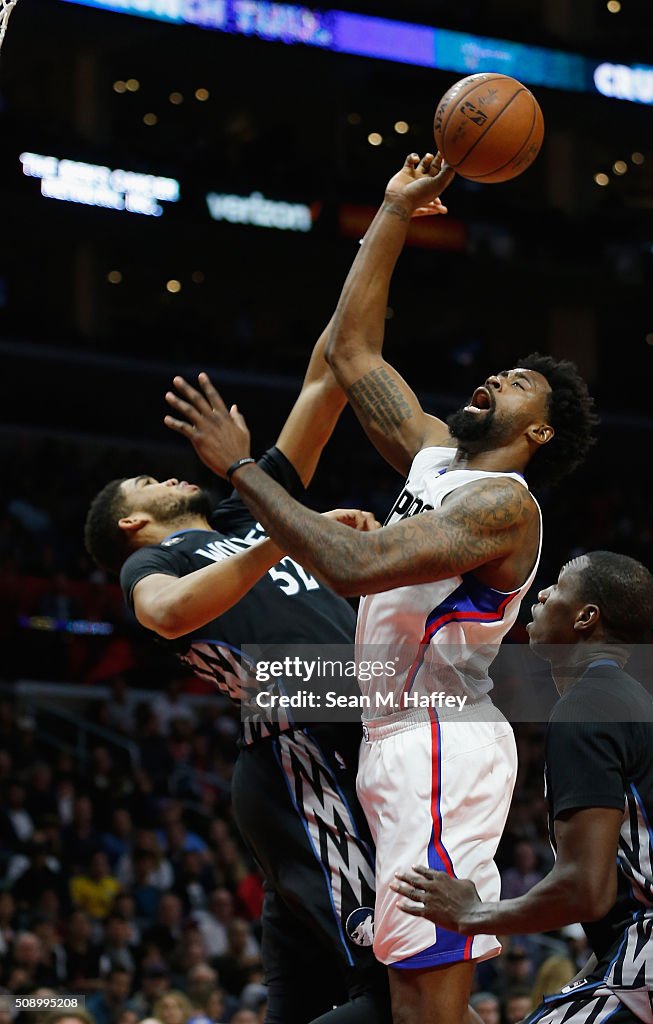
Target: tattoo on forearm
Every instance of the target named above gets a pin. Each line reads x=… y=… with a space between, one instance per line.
x=378 y=398
x=396 y=210
x=474 y=530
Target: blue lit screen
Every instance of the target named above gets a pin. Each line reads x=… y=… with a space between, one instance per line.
x=397 y=41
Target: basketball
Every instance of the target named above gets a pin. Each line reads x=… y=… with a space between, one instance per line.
x=488 y=127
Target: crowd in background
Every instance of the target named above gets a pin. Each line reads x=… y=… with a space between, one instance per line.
x=124 y=878
x=127 y=882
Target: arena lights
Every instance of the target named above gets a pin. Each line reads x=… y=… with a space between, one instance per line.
x=384 y=39
x=79 y=627
x=621 y=82
x=260 y=212
x=93 y=185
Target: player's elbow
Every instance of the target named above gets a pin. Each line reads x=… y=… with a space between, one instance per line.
x=597 y=898
x=172 y=631
x=341 y=350
x=164 y=620
x=590 y=895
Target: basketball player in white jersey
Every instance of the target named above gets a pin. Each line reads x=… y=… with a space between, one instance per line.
x=446 y=575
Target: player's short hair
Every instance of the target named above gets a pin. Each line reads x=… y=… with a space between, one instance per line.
x=106 y=543
x=623 y=589
x=572 y=416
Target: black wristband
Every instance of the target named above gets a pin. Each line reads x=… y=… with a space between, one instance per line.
x=236 y=465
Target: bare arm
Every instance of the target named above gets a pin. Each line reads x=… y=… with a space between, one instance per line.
x=384 y=403
x=483 y=524
x=173 y=606
x=582 y=886
x=314 y=415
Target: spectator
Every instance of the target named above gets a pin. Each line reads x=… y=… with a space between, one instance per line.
x=127 y=1016
x=37 y=856
x=155 y=982
x=214 y=921
x=107 y=786
x=516 y=1005
x=181 y=838
x=121 y=714
x=53 y=953
x=172 y=704
x=17 y=812
x=577 y=944
x=79 y=1016
x=517 y=880
x=515 y=970
x=125 y=905
x=244 y=1017
x=110 y=1001
x=82 y=955
x=240 y=958
x=27 y=967
x=38 y=877
x=553 y=974
x=118 y=840
x=161 y=875
x=146 y=895
x=190 y=953
x=167 y=932
x=156 y=762
x=487 y=1006
x=41 y=799
x=173 y=1008
x=194 y=880
x=200 y=981
x=94 y=891
x=80 y=839
x=116 y=951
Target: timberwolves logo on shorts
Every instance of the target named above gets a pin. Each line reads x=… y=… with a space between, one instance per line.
x=360 y=926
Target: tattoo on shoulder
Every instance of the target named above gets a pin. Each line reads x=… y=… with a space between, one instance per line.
x=378 y=397
x=489 y=506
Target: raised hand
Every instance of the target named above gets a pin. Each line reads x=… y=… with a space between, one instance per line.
x=437 y=897
x=420 y=183
x=219 y=435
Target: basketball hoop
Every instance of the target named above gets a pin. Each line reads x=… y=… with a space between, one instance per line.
x=6 y=7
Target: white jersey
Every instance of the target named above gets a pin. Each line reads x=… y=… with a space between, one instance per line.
x=441 y=637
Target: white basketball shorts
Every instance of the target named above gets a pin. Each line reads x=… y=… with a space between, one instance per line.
x=435 y=792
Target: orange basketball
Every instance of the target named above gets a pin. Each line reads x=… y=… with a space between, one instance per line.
x=488 y=127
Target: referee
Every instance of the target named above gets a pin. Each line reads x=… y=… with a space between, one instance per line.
x=208 y=582
x=599 y=786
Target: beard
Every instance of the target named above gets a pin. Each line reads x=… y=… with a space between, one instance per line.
x=184 y=506
x=470 y=427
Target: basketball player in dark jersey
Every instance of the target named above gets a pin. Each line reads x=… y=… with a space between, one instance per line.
x=208 y=582
x=599 y=787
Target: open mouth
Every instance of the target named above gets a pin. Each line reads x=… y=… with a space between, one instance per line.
x=481 y=401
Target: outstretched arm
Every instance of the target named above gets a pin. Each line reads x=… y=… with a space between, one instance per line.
x=174 y=606
x=482 y=524
x=384 y=403
x=314 y=415
x=582 y=886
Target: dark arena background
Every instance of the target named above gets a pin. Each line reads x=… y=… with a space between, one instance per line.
x=264 y=134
